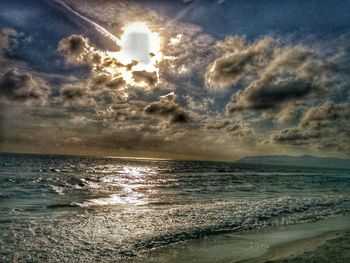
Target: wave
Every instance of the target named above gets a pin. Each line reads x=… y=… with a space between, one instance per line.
x=137 y=231
x=119 y=233
x=220 y=218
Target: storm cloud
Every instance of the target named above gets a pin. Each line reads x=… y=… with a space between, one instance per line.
x=237 y=60
x=167 y=107
x=271 y=73
x=294 y=74
x=16 y=86
x=78 y=50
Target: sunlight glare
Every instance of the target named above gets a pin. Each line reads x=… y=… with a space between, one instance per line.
x=139 y=43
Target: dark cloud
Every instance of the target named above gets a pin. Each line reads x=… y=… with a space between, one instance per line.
x=77 y=49
x=76 y=95
x=324 y=127
x=274 y=73
x=237 y=60
x=327 y=113
x=295 y=136
x=105 y=80
x=72 y=93
x=168 y=108
x=95 y=93
x=294 y=74
x=22 y=87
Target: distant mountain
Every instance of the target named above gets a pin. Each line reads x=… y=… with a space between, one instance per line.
x=303 y=160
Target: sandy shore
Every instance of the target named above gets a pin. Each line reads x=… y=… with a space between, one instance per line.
x=292 y=249
x=325 y=239
x=335 y=250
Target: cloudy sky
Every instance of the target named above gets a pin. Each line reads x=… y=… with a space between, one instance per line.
x=214 y=80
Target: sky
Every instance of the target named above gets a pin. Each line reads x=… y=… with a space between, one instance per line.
x=208 y=80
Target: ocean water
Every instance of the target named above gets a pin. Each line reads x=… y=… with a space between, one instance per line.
x=87 y=209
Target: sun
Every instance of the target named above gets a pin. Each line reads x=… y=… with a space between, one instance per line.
x=141 y=46
x=137 y=62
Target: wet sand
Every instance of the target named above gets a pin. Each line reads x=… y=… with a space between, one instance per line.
x=290 y=250
x=335 y=250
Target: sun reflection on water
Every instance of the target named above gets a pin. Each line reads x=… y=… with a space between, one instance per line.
x=129 y=181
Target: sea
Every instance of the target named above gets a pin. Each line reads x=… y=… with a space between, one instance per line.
x=106 y=209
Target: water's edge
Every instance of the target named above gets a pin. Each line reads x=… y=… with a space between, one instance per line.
x=275 y=243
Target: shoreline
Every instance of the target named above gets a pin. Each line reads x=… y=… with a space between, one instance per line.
x=277 y=244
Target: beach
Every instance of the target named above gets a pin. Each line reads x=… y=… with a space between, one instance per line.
x=320 y=241
x=87 y=209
